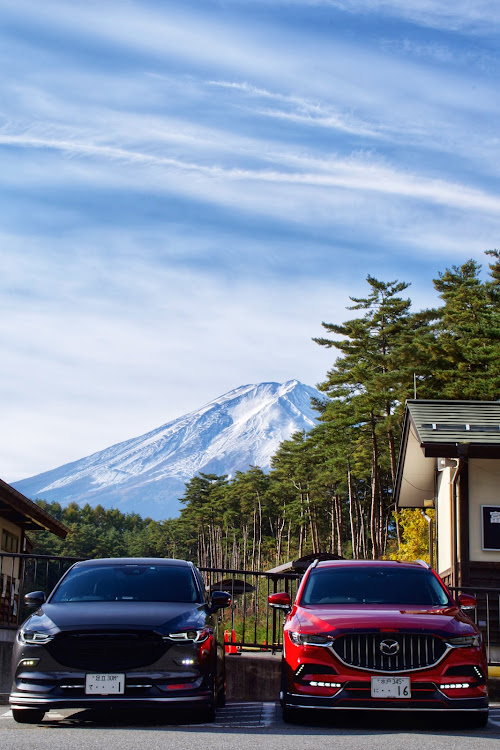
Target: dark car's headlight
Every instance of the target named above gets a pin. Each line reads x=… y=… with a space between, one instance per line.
x=188 y=636
x=309 y=639
x=465 y=641
x=34 y=637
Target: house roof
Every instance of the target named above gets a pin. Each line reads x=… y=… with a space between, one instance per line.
x=21 y=511
x=301 y=565
x=442 y=429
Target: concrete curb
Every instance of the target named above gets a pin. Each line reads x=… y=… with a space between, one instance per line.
x=253 y=676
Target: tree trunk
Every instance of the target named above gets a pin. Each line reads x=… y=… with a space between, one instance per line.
x=354 y=536
x=374 y=531
x=340 y=534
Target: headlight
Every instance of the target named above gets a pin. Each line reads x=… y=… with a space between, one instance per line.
x=34 y=637
x=190 y=636
x=309 y=639
x=465 y=641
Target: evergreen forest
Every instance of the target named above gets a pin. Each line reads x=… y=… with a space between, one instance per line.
x=330 y=490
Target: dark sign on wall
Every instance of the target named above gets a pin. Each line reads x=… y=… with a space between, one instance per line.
x=491 y=526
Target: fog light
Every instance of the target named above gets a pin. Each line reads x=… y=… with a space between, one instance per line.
x=28 y=662
x=455 y=685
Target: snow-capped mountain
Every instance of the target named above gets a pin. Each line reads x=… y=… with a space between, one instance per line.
x=147 y=474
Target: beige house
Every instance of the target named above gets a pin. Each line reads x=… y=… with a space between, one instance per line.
x=450 y=460
x=18 y=515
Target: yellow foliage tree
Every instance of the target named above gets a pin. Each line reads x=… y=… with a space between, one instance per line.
x=414 y=535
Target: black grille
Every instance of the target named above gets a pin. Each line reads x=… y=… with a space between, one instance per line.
x=103 y=651
x=397 y=652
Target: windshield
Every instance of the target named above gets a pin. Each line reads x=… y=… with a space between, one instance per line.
x=374 y=585
x=143 y=583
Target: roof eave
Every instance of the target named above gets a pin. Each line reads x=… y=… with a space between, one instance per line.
x=33 y=518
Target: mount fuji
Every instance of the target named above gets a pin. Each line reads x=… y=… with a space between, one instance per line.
x=147 y=474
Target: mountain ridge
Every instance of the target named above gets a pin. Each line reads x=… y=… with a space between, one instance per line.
x=147 y=474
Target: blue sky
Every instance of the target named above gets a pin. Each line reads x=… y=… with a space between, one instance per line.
x=189 y=188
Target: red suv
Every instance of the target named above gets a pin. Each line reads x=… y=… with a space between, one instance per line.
x=381 y=635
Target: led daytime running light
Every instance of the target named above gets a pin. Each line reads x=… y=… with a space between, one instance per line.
x=326 y=684
x=309 y=639
x=451 y=686
x=188 y=636
x=35 y=637
x=465 y=641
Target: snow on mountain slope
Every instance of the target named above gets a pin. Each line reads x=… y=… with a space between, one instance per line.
x=147 y=474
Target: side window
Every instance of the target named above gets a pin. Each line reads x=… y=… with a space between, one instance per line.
x=10 y=542
x=200 y=584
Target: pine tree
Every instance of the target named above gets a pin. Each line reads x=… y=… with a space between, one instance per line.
x=457 y=348
x=365 y=387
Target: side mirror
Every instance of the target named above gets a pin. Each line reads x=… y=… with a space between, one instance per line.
x=467 y=601
x=34 y=599
x=220 y=600
x=280 y=600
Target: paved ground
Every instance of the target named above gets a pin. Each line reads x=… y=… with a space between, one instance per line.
x=235 y=715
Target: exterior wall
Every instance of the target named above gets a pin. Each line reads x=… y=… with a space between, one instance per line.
x=484 y=489
x=443 y=519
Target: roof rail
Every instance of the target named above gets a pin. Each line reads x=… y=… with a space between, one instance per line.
x=423 y=563
x=315 y=562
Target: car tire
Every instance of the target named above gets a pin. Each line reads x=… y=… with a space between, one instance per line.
x=220 y=701
x=210 y=709
x=221 y=697
x=473 y=720
x=28 y=715
x=209 y=712
x=291 y=714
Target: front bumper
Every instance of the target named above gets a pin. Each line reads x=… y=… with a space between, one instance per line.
x=117 y=701
x=52 y=691
x=49 y=684
x=315 y=677
x=348 y=698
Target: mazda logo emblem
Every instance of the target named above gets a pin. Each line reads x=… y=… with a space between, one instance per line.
x=389 y=647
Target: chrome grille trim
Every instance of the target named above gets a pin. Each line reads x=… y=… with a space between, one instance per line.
x=416 y=651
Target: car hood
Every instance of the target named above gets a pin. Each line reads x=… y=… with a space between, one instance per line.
x=158 y=616
x=341 y=618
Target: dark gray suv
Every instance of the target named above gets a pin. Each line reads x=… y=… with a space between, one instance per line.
x=124 y=632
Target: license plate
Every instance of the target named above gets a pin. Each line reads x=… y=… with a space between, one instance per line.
x=391 y=687
x=104 y=684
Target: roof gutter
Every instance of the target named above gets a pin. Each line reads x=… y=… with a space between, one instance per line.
x=456 y=520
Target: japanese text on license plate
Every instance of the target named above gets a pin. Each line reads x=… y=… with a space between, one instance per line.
x=104 y=684
x=391 y=687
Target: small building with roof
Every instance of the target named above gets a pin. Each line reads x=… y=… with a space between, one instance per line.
x=450 y=460
x=18 y=515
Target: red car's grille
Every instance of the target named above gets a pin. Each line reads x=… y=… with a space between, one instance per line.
x=397 y=652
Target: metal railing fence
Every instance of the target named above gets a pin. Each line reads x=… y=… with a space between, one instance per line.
x=249 y=622
x=19 y=574
x=486 y=616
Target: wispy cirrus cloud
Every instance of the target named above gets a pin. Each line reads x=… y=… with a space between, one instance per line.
x=207 y=183
x=462 y=15
x=350 y=174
